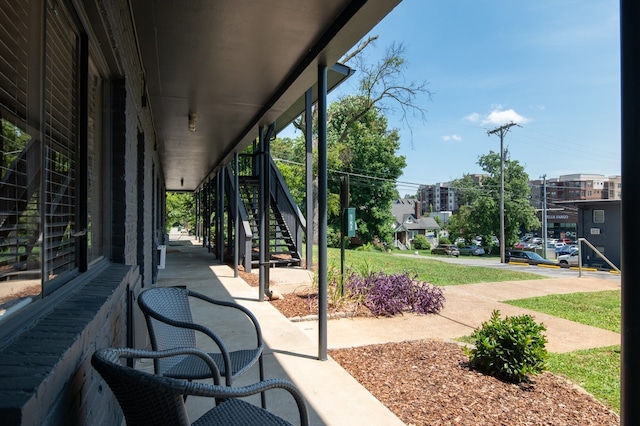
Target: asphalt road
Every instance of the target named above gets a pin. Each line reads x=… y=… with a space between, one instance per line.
x=494 y=262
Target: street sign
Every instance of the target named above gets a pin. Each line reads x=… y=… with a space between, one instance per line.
x=351 y=222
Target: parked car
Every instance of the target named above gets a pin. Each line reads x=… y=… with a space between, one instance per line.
x=565 y=249
x=530 y=257
x=571 y=259
x=448 y=249
x=471 y=250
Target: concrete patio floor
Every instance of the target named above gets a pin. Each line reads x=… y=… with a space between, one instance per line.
x=333 y=396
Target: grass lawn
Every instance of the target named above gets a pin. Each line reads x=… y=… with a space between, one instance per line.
x=595 y=370
x=429 y=270
x=599 y=309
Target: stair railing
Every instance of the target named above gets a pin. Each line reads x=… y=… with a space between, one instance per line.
x=245 y=236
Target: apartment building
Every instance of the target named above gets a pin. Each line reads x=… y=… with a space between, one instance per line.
x=562 y=217
x=442 y=196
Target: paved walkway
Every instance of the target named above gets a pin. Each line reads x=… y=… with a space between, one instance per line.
x=466 y=307
x=334 y=397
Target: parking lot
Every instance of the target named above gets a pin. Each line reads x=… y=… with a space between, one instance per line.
x=494 y=262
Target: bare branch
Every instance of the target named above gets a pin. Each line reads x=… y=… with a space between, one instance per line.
x=363 y=44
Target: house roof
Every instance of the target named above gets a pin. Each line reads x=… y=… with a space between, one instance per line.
x=427 y=223
x=403 y=210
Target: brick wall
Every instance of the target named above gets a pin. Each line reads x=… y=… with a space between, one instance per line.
x=45 y=373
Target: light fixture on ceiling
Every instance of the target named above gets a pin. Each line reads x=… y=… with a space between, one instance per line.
x=192 y=122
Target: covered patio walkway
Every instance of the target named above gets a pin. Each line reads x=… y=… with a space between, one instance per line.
x=333 y=396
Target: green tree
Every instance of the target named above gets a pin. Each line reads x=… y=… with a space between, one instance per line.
x=360 y=144
x=180 y=209
x=366 y=149
x=480 y=200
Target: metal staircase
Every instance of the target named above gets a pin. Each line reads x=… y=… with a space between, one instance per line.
x=286 y=222
x=283 y=249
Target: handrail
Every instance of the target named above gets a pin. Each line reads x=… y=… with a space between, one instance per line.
x=592 y=247
x=289 y=210
x=282 y=191
x=246 y=235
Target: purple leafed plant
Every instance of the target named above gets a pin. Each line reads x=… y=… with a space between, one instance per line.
x=393 y=294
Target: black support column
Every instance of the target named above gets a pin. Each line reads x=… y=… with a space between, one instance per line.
x=308 y=136
x=630 y=126
x=322 y=212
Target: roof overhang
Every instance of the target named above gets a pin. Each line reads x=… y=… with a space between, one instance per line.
x=236 y=66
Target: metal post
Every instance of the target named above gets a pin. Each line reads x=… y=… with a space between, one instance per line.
x=308 y=135
x=322 y=212
x=262 y=219
x=266 y=189
x=220 y=215
x=630 y=125
x=503 y=240
x=236 y=213
x=544 y=214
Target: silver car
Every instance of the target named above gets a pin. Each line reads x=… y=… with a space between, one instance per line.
x=571 y=259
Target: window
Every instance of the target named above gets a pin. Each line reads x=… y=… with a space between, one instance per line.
x=95 y=183
x=47 y=222
x=61 y=148
x=598 y=216
x=20 y=220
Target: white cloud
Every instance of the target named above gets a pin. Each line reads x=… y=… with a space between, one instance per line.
x=452 y=137
x=498 y=117
x=474 y=117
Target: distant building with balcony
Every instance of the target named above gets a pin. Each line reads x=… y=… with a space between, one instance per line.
x=442 y=196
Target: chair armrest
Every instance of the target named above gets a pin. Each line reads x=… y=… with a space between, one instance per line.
x=227 y=392
x=143 y=353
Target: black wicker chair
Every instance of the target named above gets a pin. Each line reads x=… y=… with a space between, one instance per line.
x=170 y=324
x=148 y=399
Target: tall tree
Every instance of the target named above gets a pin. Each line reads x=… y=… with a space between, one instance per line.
x=360 y=143
x=480 y=200
x=366 y=150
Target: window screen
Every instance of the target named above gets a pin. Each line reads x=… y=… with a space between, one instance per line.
x=20 y=179
x=95 y=172
x=61 y=136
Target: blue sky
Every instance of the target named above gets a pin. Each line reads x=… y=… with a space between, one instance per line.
x=553 y=66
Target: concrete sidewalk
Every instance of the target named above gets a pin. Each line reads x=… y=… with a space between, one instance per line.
x=466 y=307
x=333 y=396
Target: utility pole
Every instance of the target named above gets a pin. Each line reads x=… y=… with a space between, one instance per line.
x=502 y=130
x=544 y=214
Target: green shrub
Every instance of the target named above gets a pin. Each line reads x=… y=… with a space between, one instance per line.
x=333 y=238
x=510 y=349
x=444 y=240
x=420 y=242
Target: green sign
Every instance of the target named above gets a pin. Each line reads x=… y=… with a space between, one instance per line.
x=351 y=222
